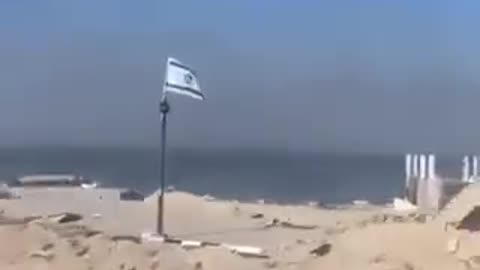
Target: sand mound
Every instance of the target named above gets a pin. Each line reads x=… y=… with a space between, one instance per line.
x=370 y=238
x=461 y=204
x=34 y=246
x=398 y=246
x=184 y=197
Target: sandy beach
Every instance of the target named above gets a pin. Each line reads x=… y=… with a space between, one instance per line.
x=285 y=135
x=108 y=234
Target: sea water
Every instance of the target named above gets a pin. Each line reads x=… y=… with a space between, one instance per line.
x=280 y=176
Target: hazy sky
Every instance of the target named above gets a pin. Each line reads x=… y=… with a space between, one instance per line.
x=316 y=75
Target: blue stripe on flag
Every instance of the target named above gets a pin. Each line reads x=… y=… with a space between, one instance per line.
x=176 y=64
x=184 y=88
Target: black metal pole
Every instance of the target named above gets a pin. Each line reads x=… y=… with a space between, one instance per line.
x=164 y=109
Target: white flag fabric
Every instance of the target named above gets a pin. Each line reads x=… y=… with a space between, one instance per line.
x=181 y=79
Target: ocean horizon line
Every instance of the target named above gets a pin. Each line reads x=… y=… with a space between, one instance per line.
x=212 y=150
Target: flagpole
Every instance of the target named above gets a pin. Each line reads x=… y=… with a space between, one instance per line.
x=164 y=109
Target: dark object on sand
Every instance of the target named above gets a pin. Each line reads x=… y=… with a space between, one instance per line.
x=131 y=195
x=256 y=215
x=471 y=221
x=322 y=249
x=290 y=225
x=274 y=222
x=65 y=217
x=198 y=266
x=130 y=238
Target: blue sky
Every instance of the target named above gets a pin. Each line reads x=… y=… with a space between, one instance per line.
x=315 y=75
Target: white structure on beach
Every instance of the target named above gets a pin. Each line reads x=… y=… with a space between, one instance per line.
x=465 y=169
x=408 y=166
x=470 y=169
x=415 y=165
x=423 y=187
x=423 y=167
x=431 y=167
x=475 y=167
x=427 y=190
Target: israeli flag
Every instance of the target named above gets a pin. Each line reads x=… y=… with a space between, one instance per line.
x=182 y=80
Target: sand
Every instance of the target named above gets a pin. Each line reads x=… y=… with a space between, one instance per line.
x=358 y=237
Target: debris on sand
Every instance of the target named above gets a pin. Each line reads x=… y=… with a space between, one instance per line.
x=47 y=246
x=272 y=223
x=247 y=251
x=151 y=237
x=147 y=237
x=393 y=218
x=288 y=224
x=44 y=254
x=453 y=245
x=256 y=215
x=189 y=244
x=321 y=250
x=419 y=218
x=129 y=238
x=378 y=259
x=64 y=217
x=244 y=251
x=82 y=251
